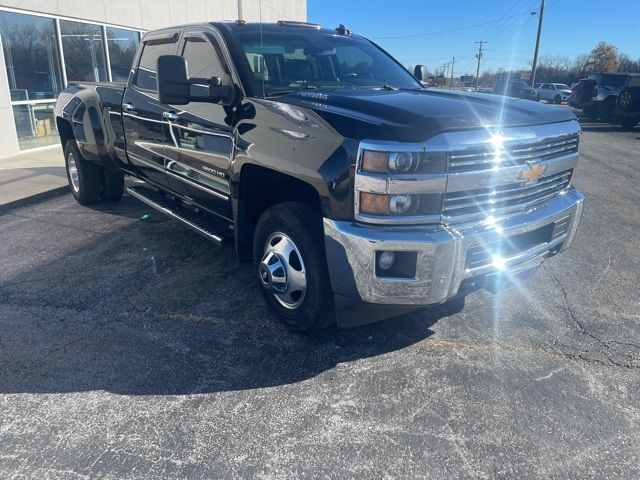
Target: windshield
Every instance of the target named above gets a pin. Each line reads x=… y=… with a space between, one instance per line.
x=562 y=86
x=290 y=61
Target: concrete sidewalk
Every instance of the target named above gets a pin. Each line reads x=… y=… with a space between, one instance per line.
x=31 y=174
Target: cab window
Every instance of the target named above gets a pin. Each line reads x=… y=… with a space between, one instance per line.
x=203 y=61
x=146 y=72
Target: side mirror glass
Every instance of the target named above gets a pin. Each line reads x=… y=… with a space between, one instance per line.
x=176 y=88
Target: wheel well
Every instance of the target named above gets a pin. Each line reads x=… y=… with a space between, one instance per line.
x=64 y=130
x=281 y=188
x=260 y=189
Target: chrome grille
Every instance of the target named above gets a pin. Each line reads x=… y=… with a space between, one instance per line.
x=459 y=206
x=488 y=157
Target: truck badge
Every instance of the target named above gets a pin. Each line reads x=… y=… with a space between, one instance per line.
x=534 y=173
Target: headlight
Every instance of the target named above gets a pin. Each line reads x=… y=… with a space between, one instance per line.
x=403 y=162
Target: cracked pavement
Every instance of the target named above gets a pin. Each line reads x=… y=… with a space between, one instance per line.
x=133 y=348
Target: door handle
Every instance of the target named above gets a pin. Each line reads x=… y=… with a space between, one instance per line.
x=128 y=106
x=171 y=116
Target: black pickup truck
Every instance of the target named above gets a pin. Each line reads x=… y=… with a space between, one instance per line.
x=357 y=193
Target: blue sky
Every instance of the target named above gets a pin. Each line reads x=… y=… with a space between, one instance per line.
x=433 y=31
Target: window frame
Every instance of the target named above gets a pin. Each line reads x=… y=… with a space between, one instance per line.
x=216 y=41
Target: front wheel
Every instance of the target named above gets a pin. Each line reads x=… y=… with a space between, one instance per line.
x=557 y=100
x=291 y=266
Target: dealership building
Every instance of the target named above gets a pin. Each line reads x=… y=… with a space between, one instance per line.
x=48 y=44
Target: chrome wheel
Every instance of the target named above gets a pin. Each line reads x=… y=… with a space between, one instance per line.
x=73 y=172
x=282 y=272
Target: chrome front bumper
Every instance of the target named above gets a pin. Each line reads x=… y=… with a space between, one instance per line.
x=441 y=253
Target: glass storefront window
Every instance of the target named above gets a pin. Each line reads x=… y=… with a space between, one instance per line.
x=31 y=56
x=83 y=52
x=36 y=125
x=122 y=48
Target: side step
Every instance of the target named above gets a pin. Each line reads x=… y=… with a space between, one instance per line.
x=200 y=222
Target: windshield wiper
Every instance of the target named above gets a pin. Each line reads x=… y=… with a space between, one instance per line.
x=283 y=92
x=388 y=87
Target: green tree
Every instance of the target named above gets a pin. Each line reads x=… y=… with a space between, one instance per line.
x=603 y=58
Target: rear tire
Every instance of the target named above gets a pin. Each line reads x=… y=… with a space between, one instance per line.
x=288 y=252
x=112 y=185
x=629 y=100
x=84 y=177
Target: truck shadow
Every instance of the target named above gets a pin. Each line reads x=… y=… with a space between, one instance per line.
x=153 y=309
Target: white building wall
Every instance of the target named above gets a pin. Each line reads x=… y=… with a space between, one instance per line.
x=152 y=14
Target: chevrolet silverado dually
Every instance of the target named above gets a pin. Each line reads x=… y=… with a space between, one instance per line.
x=356 y=193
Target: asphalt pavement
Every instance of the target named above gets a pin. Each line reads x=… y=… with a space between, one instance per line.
x=131 y=347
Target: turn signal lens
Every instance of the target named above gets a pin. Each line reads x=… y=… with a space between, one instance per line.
x=374 y=204
x=375 y=161
x=395 y=162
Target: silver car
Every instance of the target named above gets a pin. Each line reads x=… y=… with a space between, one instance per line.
x=553 y=92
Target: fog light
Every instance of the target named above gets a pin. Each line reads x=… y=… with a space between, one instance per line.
x=385 y=262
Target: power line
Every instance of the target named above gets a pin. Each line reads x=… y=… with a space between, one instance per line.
x=426 y=34
x=497 y=28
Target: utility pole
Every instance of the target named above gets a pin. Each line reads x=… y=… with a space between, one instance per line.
x=445 y=70
x=453 y=62
x=535 y=55
x=479 y=56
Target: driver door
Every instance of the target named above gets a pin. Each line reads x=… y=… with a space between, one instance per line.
x=200 y=143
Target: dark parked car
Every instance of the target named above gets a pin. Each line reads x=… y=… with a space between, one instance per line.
x=597 y=95
x=356 y=193
x=515 y=88
x=628 y=103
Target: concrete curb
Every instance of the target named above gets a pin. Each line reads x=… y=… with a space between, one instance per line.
x=38 y=197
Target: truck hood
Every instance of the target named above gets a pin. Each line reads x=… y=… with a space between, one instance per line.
x=416 y=115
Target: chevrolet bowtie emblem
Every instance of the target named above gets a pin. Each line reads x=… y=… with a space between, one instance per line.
x=533 y=174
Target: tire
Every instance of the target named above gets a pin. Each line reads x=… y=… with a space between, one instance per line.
x=557 y=99
x=84 y=177
x=628 y=123
x=291 y=233
x=629 y=100
x=112 y=185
